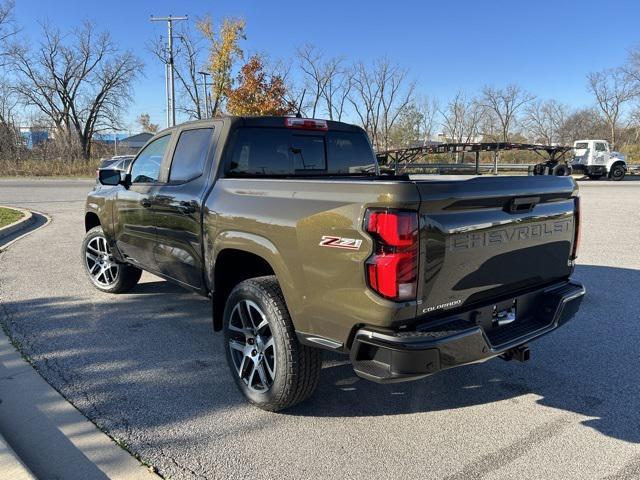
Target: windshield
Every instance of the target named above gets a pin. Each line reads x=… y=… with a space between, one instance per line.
x=280 y=151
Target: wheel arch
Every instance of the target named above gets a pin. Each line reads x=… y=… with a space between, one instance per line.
x=240 y=256
x=615 y=161
x=91 y=220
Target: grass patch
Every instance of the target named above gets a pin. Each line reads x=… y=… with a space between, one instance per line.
x=48 y=168
x=8 y=216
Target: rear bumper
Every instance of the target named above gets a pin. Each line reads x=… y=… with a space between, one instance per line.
x=394 y=356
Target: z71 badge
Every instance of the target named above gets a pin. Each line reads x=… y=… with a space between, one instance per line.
x=340 y=242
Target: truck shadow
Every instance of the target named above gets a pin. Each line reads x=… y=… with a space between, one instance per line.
x=586 y=367
x=149 y=359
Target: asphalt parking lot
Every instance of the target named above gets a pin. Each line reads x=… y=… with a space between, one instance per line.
x=147 y=368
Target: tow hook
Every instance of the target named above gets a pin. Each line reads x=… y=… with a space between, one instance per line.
x=520 y=353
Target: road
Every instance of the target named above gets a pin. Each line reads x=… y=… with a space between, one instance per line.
x=147 y=369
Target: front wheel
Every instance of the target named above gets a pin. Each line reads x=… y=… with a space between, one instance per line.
x=270 y=367
x=105 y=273
x=617 y=173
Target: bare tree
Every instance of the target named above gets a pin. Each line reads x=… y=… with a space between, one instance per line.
x=461 y=119
x=327 y=83
x=310 y=61
x=583 y=123
x=612 y=89
x=504 y=104
x=187 y=65
x=635 y=124
x=632 y=67
x=7 y=28
x=9 y=134
x=544 y=120
x=428 y=109
x=379 y=96
x=81 y=82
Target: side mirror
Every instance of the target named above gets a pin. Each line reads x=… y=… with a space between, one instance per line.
x=109 y=177
x=114 y=177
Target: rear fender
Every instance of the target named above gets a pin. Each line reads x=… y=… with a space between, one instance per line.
x=264 y=248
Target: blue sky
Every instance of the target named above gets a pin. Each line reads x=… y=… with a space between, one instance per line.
x=547 y=47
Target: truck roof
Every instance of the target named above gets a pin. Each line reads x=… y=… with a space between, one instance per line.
x=267 y=121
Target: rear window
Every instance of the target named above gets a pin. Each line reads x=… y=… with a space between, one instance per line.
x=278 y=151
x=581 y=146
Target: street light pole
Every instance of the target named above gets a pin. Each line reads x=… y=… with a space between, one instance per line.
x=206 y=93
x=171 y=104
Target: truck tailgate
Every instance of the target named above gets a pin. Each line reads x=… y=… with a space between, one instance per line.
x=485 y=237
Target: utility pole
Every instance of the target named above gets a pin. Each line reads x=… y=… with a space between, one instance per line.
x=206 y=93
x=171 y=103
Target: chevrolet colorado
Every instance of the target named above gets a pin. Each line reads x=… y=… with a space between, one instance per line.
x=302 y=245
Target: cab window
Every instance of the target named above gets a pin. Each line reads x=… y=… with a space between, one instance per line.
x=601 y=147
x=146 y=168
x=190 y=154
x=280 y=151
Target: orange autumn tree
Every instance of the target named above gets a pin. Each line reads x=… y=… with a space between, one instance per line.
x=258 y=93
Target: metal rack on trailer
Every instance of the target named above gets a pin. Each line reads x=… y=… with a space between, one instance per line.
x=399 y=159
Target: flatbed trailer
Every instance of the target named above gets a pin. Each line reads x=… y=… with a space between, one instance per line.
x=398 y=160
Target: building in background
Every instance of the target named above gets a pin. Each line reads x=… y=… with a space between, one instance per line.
x=34 y=136
x=135 y=142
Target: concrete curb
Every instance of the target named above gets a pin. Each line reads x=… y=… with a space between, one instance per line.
x=49 y=435
x=15 y=227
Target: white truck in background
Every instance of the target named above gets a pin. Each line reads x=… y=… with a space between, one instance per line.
x=595 y=159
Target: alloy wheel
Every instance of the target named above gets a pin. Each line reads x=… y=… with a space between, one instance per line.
x=252 y=346
x=100 y=263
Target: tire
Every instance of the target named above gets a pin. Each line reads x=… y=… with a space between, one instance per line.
x=103 y=271
x=260 y=341
x=561 y=170
x=617 y=172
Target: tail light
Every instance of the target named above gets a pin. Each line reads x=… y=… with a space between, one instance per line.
x=306 y=123
x=392 y=270
x=577 y=228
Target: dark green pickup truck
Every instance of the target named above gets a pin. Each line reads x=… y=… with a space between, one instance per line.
x=302 y=245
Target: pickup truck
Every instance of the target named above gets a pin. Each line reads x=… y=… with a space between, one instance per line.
x=303 y=245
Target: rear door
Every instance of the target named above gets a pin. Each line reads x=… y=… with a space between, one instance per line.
x=486 y=237
x=177 y=207
x=134 y=228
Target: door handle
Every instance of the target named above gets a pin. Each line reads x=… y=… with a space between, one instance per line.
x=188 y=207
x=145 y=202
x=522 y=204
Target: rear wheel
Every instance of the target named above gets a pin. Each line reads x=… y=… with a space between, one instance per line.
x=617 y=172
x=270 y=367
x=102 y=269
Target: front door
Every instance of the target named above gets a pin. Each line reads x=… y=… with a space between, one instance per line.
x=134 y=230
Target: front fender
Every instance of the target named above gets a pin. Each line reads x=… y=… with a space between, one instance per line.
x=613 y=160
